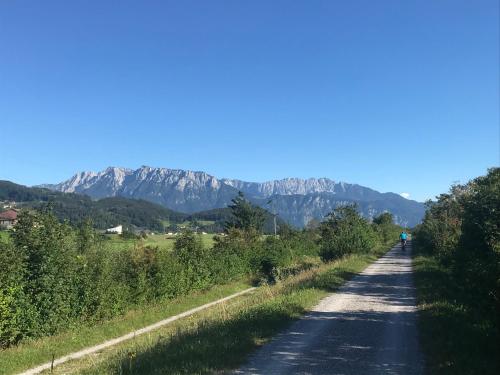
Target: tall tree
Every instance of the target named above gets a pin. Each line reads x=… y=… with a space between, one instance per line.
x=385 y=218
x=245 y=215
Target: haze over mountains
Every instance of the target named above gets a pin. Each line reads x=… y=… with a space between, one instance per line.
x=295 y=200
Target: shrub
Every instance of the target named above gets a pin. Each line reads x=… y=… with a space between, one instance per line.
x=231 y=254
x=384 y=227
x=16 y=312
x=345 y=232
x=272 y=257
x=49 y=252
x=190 y=252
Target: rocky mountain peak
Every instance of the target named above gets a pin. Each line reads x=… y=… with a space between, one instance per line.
x=296 y=200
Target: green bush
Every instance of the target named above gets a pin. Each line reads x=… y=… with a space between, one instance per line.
x=386 y=230
x=345 y=232
x=50 y=261
x=16 y=312
x=273 y=256
x=190 y=252
x=54 y=275
x=231 y=254
x=460 y=234
x=171 y=279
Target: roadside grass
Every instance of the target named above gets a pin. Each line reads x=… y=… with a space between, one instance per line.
x=220 y=338
x=456 y=338
x=35 y=352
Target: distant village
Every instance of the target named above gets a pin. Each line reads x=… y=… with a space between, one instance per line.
x=9 y=212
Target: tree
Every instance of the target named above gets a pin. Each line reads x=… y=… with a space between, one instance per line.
x=385 y=228
x=345 y=232
x=244 y=215
x=189 y=250
x=313 y=224
x=49 y=251
x=385 y=218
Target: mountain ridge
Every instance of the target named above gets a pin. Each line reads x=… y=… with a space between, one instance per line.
x=192 y=191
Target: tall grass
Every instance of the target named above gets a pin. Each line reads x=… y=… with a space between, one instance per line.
x=456 y=337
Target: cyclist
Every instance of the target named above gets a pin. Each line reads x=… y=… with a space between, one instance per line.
x=403 y=237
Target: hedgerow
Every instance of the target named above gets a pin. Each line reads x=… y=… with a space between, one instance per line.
x=54 y=275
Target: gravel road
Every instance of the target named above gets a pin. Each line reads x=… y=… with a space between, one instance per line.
x=367 y=327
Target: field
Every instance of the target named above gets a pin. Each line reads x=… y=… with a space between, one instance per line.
x=157 y=240
x=115 y=242
x=4 y=236
x=186 y=224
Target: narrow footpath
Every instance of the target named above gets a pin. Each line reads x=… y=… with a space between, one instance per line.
x=367 y=327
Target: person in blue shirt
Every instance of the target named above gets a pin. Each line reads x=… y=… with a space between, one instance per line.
x=403 y=237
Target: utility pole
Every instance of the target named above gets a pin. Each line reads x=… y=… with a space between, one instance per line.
x=271 y=203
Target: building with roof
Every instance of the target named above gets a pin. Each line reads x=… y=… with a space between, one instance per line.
x=8 y=219
x=116 y=230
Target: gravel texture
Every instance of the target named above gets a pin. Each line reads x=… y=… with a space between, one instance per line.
x=367 y=327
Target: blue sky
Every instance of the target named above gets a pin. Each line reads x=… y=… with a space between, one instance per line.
x=399 y=96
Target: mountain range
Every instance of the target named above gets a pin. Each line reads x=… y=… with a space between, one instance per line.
x=295 y=200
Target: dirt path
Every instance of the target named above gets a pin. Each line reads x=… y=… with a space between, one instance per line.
x=109 y=343
x=367 y=327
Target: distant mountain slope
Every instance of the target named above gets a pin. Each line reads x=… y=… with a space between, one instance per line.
x=187 y=191
x=113 y=211
x=104 y=213
x=298 y=209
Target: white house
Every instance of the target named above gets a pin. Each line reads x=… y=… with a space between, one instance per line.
x=117 y=230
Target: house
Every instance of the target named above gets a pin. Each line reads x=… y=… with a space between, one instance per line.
x=7 y=204
x=8 y=219
x=117 y=230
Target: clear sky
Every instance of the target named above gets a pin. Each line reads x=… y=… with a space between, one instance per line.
x=396 y=95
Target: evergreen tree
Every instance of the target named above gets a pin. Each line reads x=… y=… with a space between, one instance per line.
x=245 y=215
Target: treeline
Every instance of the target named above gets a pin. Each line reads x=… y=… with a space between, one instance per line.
x=462 y=228
x=220 y=216
x=109 y=212
x=461 y=233
x=53 y=275
x=105 y=213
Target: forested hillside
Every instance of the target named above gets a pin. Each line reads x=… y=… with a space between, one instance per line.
x=109 y=212
x=103 y=213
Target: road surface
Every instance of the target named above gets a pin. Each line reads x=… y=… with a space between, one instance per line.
x=367 y=327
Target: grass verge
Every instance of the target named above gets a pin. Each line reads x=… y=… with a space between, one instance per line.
x=456 y=338
x=220 y=338
x=35 y=352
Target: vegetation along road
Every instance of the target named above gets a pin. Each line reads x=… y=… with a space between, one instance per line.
x=367 y=327
x=131 y=335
